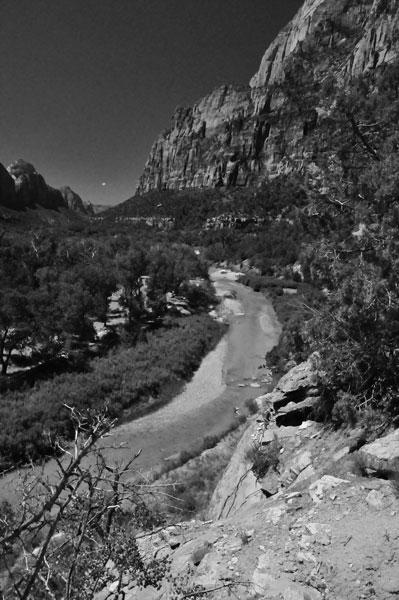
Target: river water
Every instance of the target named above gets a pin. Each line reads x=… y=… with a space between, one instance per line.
x=226 y=378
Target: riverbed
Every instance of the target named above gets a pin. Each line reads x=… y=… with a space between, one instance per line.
x=228 y=376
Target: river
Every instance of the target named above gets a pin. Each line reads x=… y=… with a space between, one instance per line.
x=223 y=381
x=226 y=378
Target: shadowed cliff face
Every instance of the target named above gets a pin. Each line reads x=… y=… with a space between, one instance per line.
x=22 y=187
x=242 y=135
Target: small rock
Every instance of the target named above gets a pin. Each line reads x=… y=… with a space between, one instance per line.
x=305 y=474
x=318 y=488
x=382 y=454
x=390 y=584
x=113 y=586
x=289 y=567
x=375 y=499
x=275 y=513
x=320 y=533
x=307 y=424
x=341 y=453
x=294 y=495
x=199 y=554
x=306 y=557
x=270 y=484
x=289 y=546
x=305 y=541
x=174 y=542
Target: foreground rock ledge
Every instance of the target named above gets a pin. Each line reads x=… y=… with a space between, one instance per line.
x=326 y=533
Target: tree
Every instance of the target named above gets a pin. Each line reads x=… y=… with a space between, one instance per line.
x=131 y=269
x=356 y=331
x=16 y=324
x=74 y=535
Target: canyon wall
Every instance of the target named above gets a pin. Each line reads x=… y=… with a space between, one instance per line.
x=241 y=135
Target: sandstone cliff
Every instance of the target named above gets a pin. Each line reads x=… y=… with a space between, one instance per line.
x=242 y=135
x=22 y=187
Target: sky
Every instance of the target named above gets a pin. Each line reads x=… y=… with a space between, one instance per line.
x=86 y=86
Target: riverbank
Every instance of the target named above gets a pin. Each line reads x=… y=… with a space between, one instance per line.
x=228 y=376
x=128 y=380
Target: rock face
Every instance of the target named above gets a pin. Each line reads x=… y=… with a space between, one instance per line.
x=295 y=395
x=322 y=536
x=7 y=188
x=74 y=201
x=242 y=135
x=22 y=187
x=383 y=454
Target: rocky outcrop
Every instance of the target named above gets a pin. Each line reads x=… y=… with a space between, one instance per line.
x=312 y=529
x=7 y=188
x=204 y=145
x=22 y=187
x=382 y=456
x=331 y=536
x=74 y=202
x=295 y=395
x=242 y=135
x=239 y=487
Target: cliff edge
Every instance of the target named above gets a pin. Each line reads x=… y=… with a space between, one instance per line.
x=321 y=524
x=242 y=135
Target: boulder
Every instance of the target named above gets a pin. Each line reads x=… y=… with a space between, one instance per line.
x=375 y=499
x=281 y=433
x=318 y=489
x=382 y=455
x=270 y=484
x=295 y=393
x=294 y=413
x=200 y=552
x=299 y=469
x=268 y=584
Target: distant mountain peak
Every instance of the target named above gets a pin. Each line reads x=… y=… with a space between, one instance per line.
x=22 y=187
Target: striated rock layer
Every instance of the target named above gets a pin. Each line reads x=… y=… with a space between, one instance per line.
x=240 y=135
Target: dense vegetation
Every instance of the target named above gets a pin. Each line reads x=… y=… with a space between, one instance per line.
x=128 y=378
x=55 y=286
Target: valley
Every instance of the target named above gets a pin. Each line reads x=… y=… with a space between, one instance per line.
x=206 y=406
x=256 y=266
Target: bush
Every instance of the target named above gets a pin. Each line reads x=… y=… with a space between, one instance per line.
x=251 y=406
x=263 y=458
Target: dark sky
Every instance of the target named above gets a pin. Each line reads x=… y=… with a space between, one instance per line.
x=87 y=85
